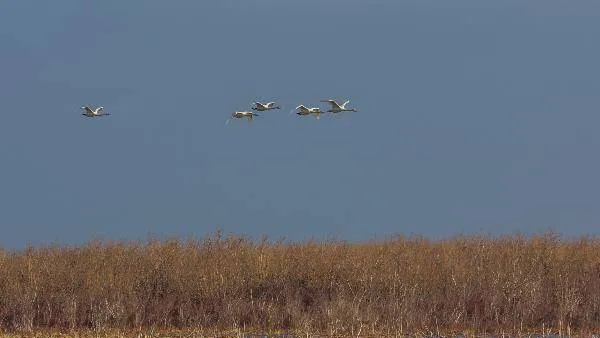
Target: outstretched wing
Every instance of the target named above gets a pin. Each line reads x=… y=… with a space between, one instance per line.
x=88 y=110
x=259 y=105
x=345 y=103
x=302 y=108
x=334 y=105
x=270 y=104
x=100 y=111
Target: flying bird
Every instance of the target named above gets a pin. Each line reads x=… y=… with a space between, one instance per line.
x=94 y=113
x=241 y=114
x=267 y=106
x=337 y=108
x=303 y=110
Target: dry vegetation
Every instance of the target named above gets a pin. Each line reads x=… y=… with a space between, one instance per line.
x=513 y=283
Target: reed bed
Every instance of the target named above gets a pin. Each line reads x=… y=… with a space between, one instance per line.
x=400 y=285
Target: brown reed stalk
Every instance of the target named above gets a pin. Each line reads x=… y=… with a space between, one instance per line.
x=503 y=284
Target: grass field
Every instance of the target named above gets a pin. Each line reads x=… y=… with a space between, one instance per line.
x=511 y=284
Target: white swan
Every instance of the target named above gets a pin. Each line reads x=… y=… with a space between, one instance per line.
x=267 y=106
x=241 y=114
x=303 y=110
x=337 y=108
x=94 y=113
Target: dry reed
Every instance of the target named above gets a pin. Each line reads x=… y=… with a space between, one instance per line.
x=487 y=284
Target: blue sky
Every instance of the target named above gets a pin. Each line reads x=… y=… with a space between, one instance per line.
x=475 y=116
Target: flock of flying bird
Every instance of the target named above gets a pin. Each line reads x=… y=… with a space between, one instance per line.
x=300 y=110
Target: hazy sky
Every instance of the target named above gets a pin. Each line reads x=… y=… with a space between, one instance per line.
x=475 y=116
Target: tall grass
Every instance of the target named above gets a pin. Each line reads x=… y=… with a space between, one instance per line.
x=399 y=284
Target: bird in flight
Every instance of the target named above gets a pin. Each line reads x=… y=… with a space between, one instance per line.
x=94 y=113
x=267 y=106
x=337 y=108
x=241 y=114
x=303 y=111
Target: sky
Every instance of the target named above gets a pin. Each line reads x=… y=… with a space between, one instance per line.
x=474 y=117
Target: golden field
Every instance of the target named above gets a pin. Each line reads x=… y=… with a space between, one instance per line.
x=230 y=284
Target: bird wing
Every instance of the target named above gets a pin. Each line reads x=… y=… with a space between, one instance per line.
x=99 y=111
x=334 y=105
x=259 y=105
x=87 y=110
x=345 y=103
x=302 y=108
x=270 y=104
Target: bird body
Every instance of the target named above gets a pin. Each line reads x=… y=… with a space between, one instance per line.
x=241 y=114
x=267 y=106
x=94 y=113
x=303 y=110
x=336 y=107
